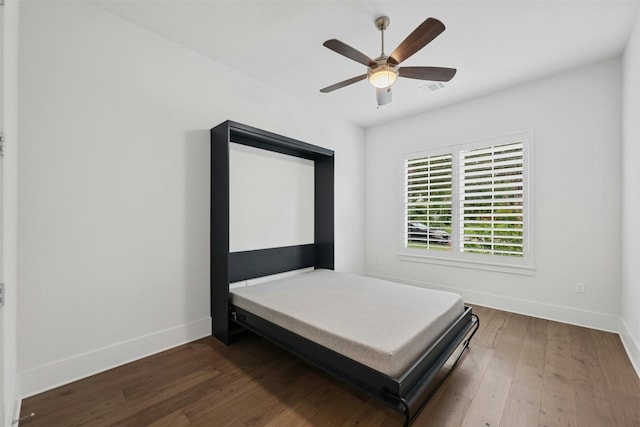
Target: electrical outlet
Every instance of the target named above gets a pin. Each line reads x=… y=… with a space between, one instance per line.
x=579 y=288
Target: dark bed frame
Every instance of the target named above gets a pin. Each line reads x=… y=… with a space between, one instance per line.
x=407 y=394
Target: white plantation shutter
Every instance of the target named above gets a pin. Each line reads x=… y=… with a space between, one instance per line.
x=428 y=202
x=491 y=183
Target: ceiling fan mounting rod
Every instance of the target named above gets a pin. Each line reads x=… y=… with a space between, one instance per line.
x=381 y=24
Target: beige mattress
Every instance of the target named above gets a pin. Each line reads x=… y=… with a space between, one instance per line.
x=381 y=324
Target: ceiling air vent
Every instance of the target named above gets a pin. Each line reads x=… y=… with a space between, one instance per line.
x=432 y=86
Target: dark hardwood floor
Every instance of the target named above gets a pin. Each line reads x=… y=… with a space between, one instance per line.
x=520 y=371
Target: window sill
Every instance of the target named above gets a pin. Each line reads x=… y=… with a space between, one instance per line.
x=521 y=269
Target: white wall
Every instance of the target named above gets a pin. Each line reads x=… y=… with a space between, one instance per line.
x=630 y=200
x=10 y=379
x=114 y=187
x=576 y=118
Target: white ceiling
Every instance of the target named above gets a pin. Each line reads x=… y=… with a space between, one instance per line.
x=493 y=44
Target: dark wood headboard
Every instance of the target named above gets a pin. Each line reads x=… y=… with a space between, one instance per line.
x=228 y=266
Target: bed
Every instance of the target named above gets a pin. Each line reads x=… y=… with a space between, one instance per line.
x=355 y=328
x=354 y=315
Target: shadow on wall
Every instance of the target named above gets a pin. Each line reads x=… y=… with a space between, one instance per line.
x=196 y=203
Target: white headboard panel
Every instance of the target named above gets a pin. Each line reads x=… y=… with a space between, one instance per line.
x=271 y=199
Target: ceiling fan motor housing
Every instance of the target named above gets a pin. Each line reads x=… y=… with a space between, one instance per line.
x=382 y=74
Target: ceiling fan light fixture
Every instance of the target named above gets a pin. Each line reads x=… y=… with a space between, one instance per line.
x=383 y=76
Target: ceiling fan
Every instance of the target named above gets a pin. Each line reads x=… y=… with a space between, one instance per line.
x=384 y=70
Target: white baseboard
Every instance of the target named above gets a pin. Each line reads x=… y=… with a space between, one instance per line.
x=571 y=315
x=631 y=345
x=55 y=374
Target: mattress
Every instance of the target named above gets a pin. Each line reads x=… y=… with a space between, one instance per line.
x=381 y=324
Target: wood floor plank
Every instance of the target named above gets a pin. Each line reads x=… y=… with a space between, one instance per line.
x=625 y=408
x=507 y=352
x=559 y=359
x=558 y=331
x=516 y=325
x=464 y=382
x=488 y=404
x=615 y=364
x=585 y=363
x=519 y=371
x=447 y=409
x=150 y=406
x=466 y=377
x=534 y=345
x=296 y=414
x=257 y=409
x=490 y=330
x=374 y=415
x=525 y=396
x=339 y=411
x=174 y=419
x=239 y=393
x=558 y=403
x=79 y=412
x=592 y=406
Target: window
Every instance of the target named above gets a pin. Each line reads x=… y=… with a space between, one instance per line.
x=470 y=203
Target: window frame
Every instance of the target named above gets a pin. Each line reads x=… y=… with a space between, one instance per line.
x=518 y=265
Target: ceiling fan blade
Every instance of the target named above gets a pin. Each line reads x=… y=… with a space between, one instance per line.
x=351 y=53
x=383 y=95
x=419 y=38
x=347 y=82
x=436 y=74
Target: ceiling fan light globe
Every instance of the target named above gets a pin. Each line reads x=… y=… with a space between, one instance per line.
x=383 y=76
